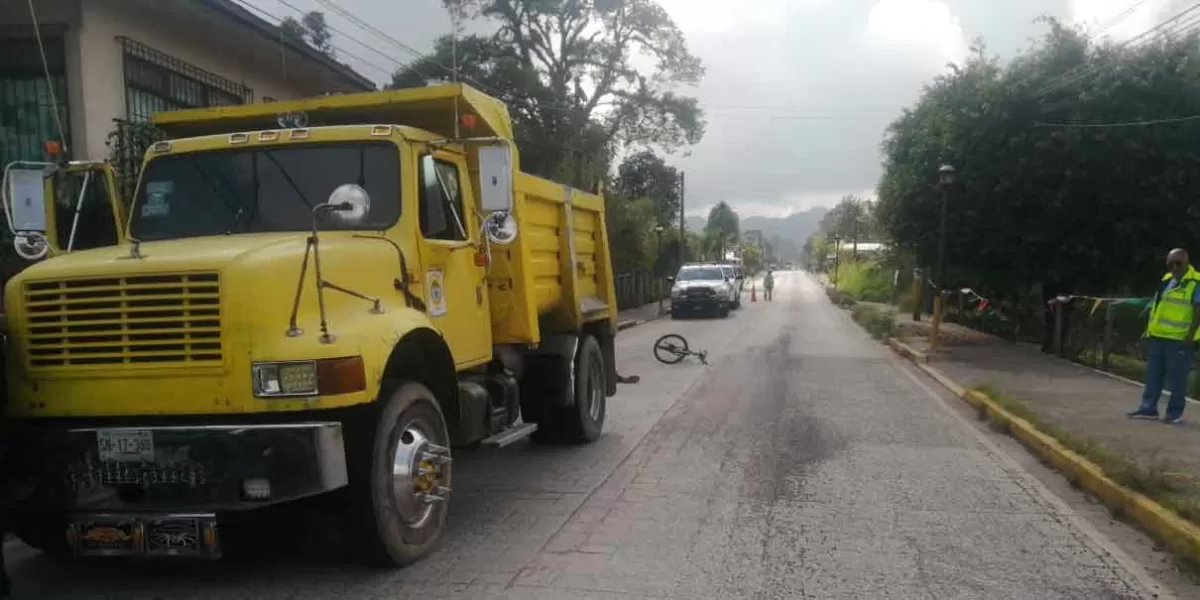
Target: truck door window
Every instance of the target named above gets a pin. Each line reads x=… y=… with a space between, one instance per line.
x=97 y=227
x=441 y=201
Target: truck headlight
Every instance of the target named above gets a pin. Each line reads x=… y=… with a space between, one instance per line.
x=676 y=291
x=324 y=377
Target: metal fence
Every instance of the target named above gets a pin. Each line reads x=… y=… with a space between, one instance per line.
x=639 y=289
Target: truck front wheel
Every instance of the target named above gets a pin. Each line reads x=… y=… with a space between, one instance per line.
x=404 y=495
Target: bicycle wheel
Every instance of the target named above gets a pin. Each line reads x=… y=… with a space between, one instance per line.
x=670 y=349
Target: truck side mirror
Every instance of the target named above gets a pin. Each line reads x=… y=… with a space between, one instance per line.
x=495 y=178
x=25 y=193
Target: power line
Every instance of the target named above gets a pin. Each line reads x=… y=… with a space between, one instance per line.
x=1179 y=23
x=1142 y=123
x=1120 y=17
x=352 y=38
x=278 y=21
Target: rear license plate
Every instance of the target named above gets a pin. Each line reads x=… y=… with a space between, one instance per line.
x=106 y=537
x=125 y=445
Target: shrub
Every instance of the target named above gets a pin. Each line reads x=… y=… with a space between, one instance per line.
x=866 y=280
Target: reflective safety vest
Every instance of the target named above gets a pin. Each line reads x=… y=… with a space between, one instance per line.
x=1173 y=310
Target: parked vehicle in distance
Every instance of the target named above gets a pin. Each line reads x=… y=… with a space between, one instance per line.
x=701 y=288
x=731 y=275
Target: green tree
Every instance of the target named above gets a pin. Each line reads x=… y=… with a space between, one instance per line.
x=566 y=70
x=752 y=258
x=723 y=227
x=849 y=220
x=318 y=31
x=311 y=29
x=1067 y=209
x=646 y=175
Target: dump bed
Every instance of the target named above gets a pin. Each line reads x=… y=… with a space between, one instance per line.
x=562 y=256
x=557 y=275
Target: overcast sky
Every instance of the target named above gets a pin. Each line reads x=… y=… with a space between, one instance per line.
x=809 y=85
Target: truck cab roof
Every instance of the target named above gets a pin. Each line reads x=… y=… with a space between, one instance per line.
x=431 y=108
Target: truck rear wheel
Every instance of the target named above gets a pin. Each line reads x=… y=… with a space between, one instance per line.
x=546 y=381
x=404 y=494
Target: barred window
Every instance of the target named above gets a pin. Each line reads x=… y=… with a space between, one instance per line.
x=155 y=82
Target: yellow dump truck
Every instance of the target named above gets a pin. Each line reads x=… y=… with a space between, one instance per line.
x=317 y=297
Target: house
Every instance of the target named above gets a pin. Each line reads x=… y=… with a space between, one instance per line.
x=122 y=60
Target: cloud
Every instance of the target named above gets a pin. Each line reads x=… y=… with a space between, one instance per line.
x=922 y=29
x=797 y=94
x=1120 y=19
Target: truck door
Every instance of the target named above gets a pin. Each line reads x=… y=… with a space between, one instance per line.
x=455 y=286
x=85 y=209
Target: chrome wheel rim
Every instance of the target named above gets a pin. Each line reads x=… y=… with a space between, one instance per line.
x=595 y=391
x=420 y=470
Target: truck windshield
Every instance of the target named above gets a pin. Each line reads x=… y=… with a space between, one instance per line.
x=703 y=274
x=250 y=190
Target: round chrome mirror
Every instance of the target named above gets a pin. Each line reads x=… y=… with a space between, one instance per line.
x=31 y=245
x=351 y=202
x=500 y=227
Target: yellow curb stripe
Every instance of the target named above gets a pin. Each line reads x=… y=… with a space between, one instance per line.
x=1179 y=535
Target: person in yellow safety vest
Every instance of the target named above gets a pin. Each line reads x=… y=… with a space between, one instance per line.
x=1171 y=338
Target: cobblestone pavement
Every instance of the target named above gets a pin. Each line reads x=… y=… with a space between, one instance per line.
x=802 y=463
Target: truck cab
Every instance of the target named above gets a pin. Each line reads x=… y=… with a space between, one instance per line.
x=313 y=297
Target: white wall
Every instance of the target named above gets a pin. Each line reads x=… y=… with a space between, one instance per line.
x=179 y=28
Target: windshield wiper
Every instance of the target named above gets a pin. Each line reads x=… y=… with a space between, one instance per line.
x=291 y=182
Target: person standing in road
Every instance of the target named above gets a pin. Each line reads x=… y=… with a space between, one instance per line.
x=768 y=285
x=1171 y=338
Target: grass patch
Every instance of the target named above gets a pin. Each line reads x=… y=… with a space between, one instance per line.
x=879 y=323
x=1156 y=478
x=866 y=280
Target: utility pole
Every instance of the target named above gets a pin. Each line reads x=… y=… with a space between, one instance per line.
x=682 y=233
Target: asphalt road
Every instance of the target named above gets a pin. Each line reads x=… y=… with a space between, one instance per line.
x=803 y=462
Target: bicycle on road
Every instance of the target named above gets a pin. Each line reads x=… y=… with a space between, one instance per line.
x=672 y=348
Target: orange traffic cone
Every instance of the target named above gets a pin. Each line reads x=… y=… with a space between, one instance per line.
x=753 y=296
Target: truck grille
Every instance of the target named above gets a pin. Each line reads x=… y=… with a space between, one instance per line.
x=140 y=319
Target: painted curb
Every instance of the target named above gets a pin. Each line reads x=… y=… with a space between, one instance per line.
x=1179 y=535
x=908 y=351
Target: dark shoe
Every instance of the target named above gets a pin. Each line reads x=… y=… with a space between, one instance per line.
x=1142 y=413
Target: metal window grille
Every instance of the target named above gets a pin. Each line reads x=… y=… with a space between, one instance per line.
x=26 y=111
x=156 y=81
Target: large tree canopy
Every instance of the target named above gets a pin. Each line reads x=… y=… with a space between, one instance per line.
x=1049 y=190
x=646 y=175
x=567 y=70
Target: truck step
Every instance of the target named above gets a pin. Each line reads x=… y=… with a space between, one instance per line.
x=509 y=436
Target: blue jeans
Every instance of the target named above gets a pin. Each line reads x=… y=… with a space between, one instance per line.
x=1167 y=359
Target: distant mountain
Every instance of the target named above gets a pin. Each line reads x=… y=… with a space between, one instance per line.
x=794 y=228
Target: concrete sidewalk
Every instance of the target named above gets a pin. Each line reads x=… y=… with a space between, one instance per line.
x=1084 y=403
x=633 y=317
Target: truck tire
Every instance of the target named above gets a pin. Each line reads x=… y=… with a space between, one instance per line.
x=583 y=422
x=409 y=458
x=549 y=379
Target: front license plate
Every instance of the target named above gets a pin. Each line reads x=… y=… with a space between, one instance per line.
x=106 y=537
x=126 y=445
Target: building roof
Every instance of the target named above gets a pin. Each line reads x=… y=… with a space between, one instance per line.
x=235 y=12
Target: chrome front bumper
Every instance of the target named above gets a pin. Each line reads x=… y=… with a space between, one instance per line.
x=170 y=469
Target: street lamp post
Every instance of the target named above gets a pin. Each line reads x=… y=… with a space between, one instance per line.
x=658 y=277
x=836 y=259
x=945 y=183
